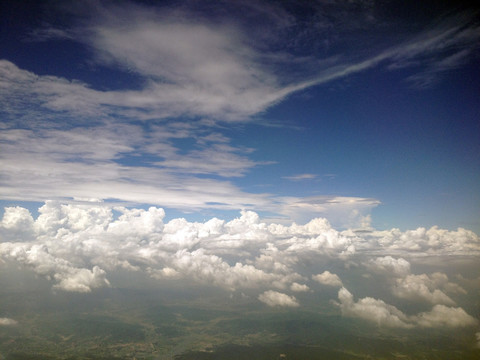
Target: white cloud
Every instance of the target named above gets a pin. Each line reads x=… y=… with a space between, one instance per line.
x=17 y=218
x=388 y=264
x=327 y=278
x=422 y=287
x=67 y=276
x=214 y=73
x=53 y=166
x=81 y=280
x=7 y=322
x=316 y=236
x=300 y=177
x=296 y=287
x=274 y=298
x=79 y=246
x=444 y=316
x=66 y=164
x=137 y=222
x=383 y=314
x=16 y=225
x=372 y=310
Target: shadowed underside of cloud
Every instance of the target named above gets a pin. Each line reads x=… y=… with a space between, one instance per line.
x=76 y=247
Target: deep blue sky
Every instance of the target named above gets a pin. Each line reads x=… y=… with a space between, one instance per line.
x=366 y=113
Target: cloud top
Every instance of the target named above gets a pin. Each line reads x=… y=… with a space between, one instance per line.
x=275 y=298
x=327 y=278
x=383 y=314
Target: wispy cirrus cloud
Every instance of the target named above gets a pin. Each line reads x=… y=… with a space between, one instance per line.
x=301 y=177
x=198 y=66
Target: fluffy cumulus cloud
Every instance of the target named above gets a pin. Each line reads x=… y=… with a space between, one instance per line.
x=423 y=287
x=81 y=280
x=433 y=241
x=327 y=278
x=17 y=224
x=275 y=298
x=383 y=314
x=296 y=287
x=442 y=315
x=372 y=310
x=78 y=248
x=388 y=264
x=68 y=277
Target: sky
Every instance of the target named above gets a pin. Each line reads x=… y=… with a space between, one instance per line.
x=225 y=141
x=363 y=113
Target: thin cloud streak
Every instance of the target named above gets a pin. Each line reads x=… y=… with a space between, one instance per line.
x=215 y=72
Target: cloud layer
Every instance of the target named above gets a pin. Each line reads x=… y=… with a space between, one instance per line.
x=78 y=247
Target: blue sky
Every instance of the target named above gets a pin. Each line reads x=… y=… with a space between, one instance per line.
x=364 y=113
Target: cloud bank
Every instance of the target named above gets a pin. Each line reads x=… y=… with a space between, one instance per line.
x=78 y=247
